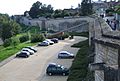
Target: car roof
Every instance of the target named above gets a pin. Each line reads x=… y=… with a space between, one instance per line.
x=54 y=39
x=63 y=52
x=45 y=41
x=55 y=65
x=52 y=64
x=25 y=52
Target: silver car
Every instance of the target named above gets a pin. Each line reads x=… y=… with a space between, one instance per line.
x=28 y=50
x=65 y=54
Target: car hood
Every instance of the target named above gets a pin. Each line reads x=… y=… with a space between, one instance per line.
x=71 y=54
x=66 y=69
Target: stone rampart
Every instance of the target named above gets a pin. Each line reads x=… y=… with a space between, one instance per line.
x=107 y=50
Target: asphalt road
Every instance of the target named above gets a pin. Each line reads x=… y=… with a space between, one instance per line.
x=34 y=67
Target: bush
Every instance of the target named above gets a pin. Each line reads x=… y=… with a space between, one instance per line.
x=37 y=38
x=66 y=35
x=15 y=41
x=7 y=42
x=24 y=38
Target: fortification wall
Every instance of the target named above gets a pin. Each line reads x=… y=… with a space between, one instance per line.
x=107 y=46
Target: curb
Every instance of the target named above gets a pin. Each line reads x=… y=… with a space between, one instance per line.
x=7 y=60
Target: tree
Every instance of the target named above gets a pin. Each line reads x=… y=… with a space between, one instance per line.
x=34 y=11
x=8 y=27
x=38 y=9
x=6 y=31
x=86 y=7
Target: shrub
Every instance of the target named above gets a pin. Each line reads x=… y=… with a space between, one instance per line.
x=66 y=35
x=7 y=42
x=15 y=41
x=37 y=38
x=24 y=38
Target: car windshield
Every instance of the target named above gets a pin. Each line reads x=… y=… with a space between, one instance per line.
x=61 y=66
x=65 y=52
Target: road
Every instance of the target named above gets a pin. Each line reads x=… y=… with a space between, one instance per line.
x=33 y=68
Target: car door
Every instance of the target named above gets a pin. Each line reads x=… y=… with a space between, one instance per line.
x=59 y=70
x=54 y=70
x=65 y=55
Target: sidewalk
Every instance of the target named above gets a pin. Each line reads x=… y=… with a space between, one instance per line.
x=7 y=60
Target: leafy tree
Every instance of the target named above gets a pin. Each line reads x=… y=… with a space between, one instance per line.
x=7 y=42
x=86 y=7
x=38 y=9
x=34 y=11
x=6 y=31
x=8 y=27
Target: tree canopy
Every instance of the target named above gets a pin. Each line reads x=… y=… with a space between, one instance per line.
x=8 y=27
x=38 y=9
x=86 y=7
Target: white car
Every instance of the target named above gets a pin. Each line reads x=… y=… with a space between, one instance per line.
x=50 y=42
x=65 y=54
x=31 y=48
x=28 y=50
x=44 y=43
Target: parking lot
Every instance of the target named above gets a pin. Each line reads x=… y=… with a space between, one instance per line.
x=34 y=67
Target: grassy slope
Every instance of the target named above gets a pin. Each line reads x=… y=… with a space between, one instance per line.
x=11 y=50
x=78 y=70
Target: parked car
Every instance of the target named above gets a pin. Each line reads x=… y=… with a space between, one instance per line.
x=31 y=48
x=65 y=54
x=44 y=43
x=28 y=50
x=55 y=40
x=54 y=69
x=50 y=42
x=23 y=54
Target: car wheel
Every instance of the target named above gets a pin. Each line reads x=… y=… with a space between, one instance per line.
x=27 y=56
x=64 y=74
x=50 y=74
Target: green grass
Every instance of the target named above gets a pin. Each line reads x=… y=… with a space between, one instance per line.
x=78 y=70
x=11 y=50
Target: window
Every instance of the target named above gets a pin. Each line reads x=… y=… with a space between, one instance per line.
x=53 y=68
x=59 y=68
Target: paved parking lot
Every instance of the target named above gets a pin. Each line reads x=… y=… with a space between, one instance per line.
x=33 y=68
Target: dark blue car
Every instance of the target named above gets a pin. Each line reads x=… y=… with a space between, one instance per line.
x=54 y=69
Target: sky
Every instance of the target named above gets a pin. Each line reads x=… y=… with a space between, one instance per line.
x=18 y=7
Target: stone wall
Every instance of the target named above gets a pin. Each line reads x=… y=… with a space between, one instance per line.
x=107 y=46
x=106 y=54
x=57 y=24
x=61 y=24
